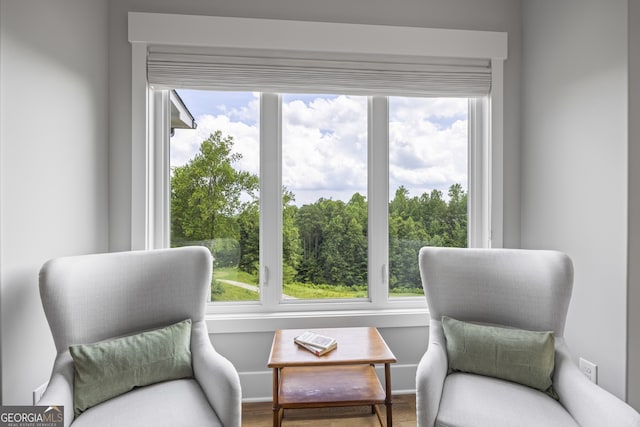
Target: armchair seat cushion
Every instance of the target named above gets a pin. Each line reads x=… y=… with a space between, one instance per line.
x=470 y=400
x=173 y=403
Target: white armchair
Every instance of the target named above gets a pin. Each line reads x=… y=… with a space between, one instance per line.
x=92 y=298
x=525 y=289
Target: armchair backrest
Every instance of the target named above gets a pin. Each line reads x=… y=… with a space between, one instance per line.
x=527 y=289
x=90 y=298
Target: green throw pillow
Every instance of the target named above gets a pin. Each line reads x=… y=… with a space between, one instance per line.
x=524 y=357
x=109 y=368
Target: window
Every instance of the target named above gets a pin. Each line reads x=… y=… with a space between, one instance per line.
x=428 y=163
x=325 y=216
x=324 y=170
x=214 y=187
x=387 y=67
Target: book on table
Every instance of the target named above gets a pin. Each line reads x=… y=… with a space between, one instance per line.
x=318 y=351
x=316 y=343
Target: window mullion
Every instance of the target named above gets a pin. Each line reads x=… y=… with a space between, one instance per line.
x=159 y=171
x=378 y=177
x=479 y=175
x=270 y=200
x=475 y=233
x=495 y=154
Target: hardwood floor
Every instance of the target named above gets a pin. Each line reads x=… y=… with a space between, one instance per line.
x=260 y=415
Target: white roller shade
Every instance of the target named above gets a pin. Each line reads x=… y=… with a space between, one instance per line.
x=304 y=73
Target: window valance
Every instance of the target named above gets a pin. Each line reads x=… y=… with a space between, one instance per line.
x=278 y=72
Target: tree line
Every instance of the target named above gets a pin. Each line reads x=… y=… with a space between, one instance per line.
x=325 y=242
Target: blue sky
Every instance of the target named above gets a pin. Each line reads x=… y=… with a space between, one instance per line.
x=202 y=102
x=324 y=140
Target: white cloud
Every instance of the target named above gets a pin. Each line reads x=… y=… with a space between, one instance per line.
x=186 y=142
x=325 y=148
x=428 y=144
x=325 y=144
x=412 y=109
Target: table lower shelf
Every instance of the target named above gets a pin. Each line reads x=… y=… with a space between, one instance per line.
x=322 y=386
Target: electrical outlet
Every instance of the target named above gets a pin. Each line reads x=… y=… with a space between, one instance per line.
x=589 y=369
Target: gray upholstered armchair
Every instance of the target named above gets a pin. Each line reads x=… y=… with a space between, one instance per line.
x=524 y=289
x=92 y=298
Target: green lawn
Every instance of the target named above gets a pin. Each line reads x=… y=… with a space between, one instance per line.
x=311 y=291
x=227 y=292
x=231 y=273
x=221 y=291
x=234 y=293
x=415 y=293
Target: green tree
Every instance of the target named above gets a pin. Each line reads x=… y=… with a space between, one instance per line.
x=249 y=227
x=334 y=236
x=308 y=220
x=312 y=223
x=332 y=252
x=206 y=192
x=355 y=241
x=323 y=243
x=428 y=220
x=291 y=243
x=398 y=206
x=457 y=216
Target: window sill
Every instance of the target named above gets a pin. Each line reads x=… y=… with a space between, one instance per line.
x=269 y=322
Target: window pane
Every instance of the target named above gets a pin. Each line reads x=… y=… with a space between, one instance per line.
x=428 y=151
x=214 y=188
x=324 y=175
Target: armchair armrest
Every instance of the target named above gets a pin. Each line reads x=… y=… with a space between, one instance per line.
x=60 y=388
x=589 y=404
x=430 y=375
x=217 y=377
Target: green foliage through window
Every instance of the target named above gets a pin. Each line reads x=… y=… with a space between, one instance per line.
x=325 y=243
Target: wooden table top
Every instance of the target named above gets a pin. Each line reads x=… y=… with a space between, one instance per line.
x=359 y=345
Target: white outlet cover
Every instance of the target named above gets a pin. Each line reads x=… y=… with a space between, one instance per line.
x=589 y=369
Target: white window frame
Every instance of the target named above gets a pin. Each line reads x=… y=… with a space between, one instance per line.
x=150 y=142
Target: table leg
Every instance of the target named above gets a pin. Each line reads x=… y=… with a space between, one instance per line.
x=387 y=400
x=276 y=392
x=373 y=407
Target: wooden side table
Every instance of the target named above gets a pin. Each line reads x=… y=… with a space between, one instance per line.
x=343 y=377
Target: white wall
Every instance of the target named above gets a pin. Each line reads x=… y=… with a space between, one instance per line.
x=53 y=165
x=633 y=354
x=574 y=164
